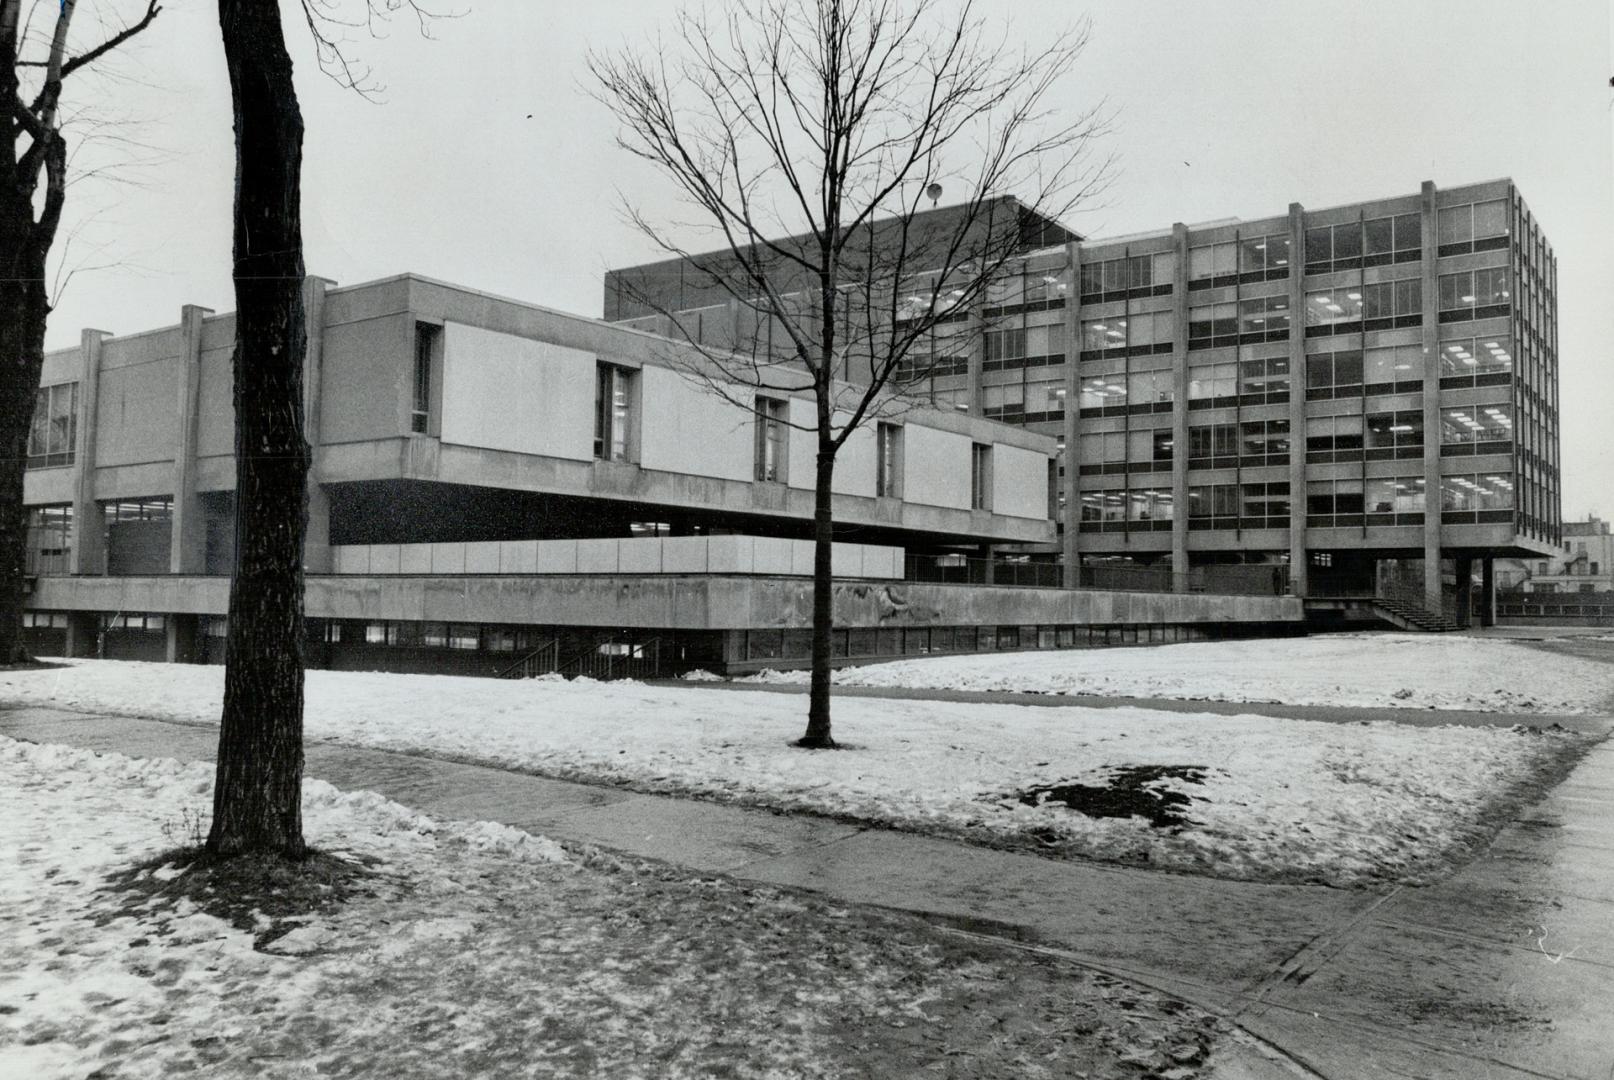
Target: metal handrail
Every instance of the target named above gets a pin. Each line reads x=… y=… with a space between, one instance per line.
x=641 y=659
x=528 y=665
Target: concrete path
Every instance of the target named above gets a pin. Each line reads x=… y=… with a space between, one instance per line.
x=1330 y=714
x=1505 y=970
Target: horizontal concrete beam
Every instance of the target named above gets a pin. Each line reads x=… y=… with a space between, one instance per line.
x=705 y=602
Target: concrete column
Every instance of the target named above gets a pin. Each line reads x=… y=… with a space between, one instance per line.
x=1431 y=400
x=83 y=628
x=88 y=547
x=977 y=334
x=1071 y=486
x=1465 y=589
x=1487 y=605
x=182 y=638
x=1179 y=413
x=317 y=540
x=187 y=550
x=1298 y=551
x=988 y=570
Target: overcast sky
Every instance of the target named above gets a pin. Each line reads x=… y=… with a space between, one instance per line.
x=487 y=166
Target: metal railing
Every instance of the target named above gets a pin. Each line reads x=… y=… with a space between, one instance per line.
x=1232 y=579
x=543 y=659
x=641 y=660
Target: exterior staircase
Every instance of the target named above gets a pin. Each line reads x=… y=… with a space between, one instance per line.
x=1409 y=615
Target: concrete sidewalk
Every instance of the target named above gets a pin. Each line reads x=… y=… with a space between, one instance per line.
x=1504 y=970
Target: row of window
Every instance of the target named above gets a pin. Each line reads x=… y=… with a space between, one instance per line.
x=1134 y=275
x=55 y=426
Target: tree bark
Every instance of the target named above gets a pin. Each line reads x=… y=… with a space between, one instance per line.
x=257 y=799
x=23 y=310
x=818 y=725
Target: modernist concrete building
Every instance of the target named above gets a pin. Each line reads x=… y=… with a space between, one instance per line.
x=1328 y=393
x=499 y=486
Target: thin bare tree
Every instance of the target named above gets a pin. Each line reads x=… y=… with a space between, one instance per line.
x=811 y=138
x=257 y=793
x=37 y=58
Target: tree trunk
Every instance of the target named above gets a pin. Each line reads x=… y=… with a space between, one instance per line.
x=818 y=730
x=23 y=309
x=257 y=798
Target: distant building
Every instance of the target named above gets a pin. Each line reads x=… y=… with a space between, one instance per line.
x=1585 y=564
x=1323 y=391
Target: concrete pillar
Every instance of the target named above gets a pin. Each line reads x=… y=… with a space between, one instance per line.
x=88 y=547
x=1487 y=604
x=1180 y=577
x=1072 y=488
x=1465 y=589
x=988 y=569
x=83 y=630
x=1431 y=399
x=187 y=544
x=977 y=334
x=317 y=540
x=1298 y=551
x=182 y=638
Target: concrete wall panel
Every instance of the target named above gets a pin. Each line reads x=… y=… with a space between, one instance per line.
x=414 y=558
x=685 y=429
x=482 y=557
x=366 y=369
x=1019 y=482
x=556 y=556
x=855 y=464
x=598 y=557
x=505 y=392
x=137 y=414
x=936 y=467
x=518 y=556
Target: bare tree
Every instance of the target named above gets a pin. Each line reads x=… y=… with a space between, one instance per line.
x=810 y=139
x=257 y=794
x=36 y=63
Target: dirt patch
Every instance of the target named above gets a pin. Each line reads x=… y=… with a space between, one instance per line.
x=1132 y=791
x=268 y=895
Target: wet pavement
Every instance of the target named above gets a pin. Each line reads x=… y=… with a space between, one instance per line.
x=1505 y=969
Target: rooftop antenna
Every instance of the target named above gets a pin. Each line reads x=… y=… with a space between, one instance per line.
x=934 y=190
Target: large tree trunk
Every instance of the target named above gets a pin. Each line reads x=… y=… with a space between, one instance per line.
x=23 y=308
x=257 y=800
x=818 y=729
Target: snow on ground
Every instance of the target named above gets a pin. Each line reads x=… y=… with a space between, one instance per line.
x=1278 y=798
x=480 y=955
x=1371 y=670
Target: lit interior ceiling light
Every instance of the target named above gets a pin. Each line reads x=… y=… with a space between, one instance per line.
x=1468 y=299
x=1403 y=367
x=1491 y=345
x=1353 y=296
x=1325 y=299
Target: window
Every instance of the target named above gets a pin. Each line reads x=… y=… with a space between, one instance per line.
x=1392 y=239
x=770 y=448
x=1149 y=387
x=1136 y=275
x=980 y=476
x=1102 y=507
x=1264 y=506
x=1394 y=367
x=1267 y=317
x=427 y=344
x=1334 y=311
x=1329 y=501
x=1473 y=227
x=1210 y=444
x=1467 y=359
x=1334 y=374
x=1100 y=448
x=1213 y=324
x=1476 y=492
x=1475 y=294
x=1264 y=380
x=1265 y=442
x=1145 y=332
x=50 y=539
x=1152 y=504
x=1331 y=437
x=1102 y=391
x=1155 y=329
x=1264 y=257
x=1333 y=247
x=888 y=448
x=1209 y=383
x=1101 y=334
x=1471 y=425
x=1212 y=264
x=1394 y=495
x=1004 y=344
x=613 y=402
x=1213 y=506
x=55 y=426
x=130 y=510
x=1392 y=304
x=1395 y=434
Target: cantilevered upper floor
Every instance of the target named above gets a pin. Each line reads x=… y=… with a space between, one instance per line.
x=440 y=414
